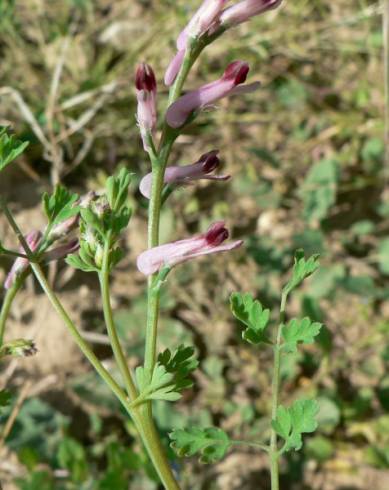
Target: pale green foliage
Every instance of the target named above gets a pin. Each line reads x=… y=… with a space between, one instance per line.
x=10 y=148
x=171 y=375
x=301 y=270
x=250 y=312
x=160 y=387
x=60 y=205
x=211 y=443
x=299 y=332
x=292 y=422
x=181 y=364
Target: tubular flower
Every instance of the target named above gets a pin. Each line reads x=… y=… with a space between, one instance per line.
x=206 y=17
x=20 y=265
x=62 y=250
x=243 y=11
x=202 y=169
x=203 y=19
x=235 y=74
x=171 y=254
x=146 y=94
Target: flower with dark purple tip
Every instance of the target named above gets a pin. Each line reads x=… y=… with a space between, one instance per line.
x=146 y=94
x=234 y=75
x=202 y=169
x=171 y=254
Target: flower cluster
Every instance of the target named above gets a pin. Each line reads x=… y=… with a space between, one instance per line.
x=211 y=20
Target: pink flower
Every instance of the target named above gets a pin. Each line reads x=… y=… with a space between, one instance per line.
x=146 y=94
x=202 y=21
x=174 y=67
x=235 y=74
x=202 y=169
x=171 y=254
x=20 y=265
x=61 y=251
x=243 y=11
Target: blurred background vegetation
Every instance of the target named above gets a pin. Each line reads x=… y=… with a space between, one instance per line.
x=306 y=153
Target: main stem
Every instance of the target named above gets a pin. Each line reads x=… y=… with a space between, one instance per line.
x=159 y=163
x=273 y=453
x=158 y=168
x=6 y=306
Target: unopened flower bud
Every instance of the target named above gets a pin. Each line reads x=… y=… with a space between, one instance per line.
x=62 y=250
x=18 y=348
x=146 y=93
x=21 y=264
x=99 y=254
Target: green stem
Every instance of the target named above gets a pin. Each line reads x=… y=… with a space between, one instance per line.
x=158 y=168
x=155 y=449
x=386 y=80
x=6 y=307
x=273 y=453
x=111 y=328
x=5 y=251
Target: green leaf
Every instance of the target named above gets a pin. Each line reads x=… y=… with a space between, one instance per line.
x=181 y=364
x=60 y=205
x=211 y=443
x=77 y=262
x=160 y=387
x=10 y=148
x=292 y=422
x=117 y=189
x=301 y=270
x=299 y=332
x=250 y=312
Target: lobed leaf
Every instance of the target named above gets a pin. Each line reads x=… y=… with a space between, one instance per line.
x=60 y=205
x=302 y=269
x=210 y=443
x=299 y=332
x=290 y=423
x=250 y=313
x=10 y=148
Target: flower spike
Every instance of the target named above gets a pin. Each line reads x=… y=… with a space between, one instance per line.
x=235 y=74
x=171 y=254
x=202 y=169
